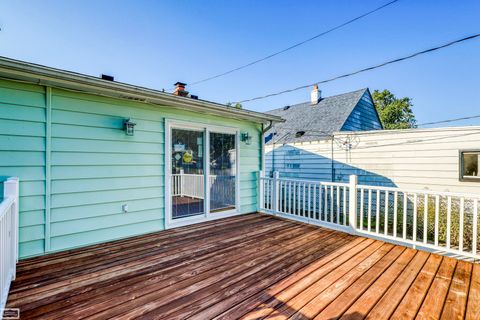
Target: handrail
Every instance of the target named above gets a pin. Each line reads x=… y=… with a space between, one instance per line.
x=422 y=191
x=443 y=222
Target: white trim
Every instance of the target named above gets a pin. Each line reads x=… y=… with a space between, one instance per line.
x=206 y=128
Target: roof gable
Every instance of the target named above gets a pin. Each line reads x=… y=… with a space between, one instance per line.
x=318 y=121
x=364 y=116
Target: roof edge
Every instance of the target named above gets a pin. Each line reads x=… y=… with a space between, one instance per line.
x=11 y=69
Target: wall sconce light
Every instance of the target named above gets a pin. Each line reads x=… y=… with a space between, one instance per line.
x=129 y=127
x=245 y=137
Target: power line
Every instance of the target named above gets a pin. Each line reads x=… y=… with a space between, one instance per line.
x=294 y=45
x=448 y=120
x=365 y=69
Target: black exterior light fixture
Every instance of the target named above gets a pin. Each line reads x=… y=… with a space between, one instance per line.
x=129 y=127
x=246 y=137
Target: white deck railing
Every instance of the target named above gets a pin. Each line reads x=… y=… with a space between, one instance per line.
x=222 y=188
x=443 y=222
x=8 y=238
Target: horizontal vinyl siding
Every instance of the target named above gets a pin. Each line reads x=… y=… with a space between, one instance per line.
x=415 y=159
x=95 y=167
x=22 y=154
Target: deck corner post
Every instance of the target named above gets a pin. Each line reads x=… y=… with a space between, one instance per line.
x=352 y=203
x=11 y=190
x=276 y=191
x=261 y=194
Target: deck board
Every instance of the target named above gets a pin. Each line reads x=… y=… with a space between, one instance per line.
x=250 y=267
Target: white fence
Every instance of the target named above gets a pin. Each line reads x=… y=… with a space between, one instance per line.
x=222 y=188
x=441 y=222
x=8 y=237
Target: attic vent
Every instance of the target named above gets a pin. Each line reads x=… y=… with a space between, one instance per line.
x=299 y=134
x=286 y=107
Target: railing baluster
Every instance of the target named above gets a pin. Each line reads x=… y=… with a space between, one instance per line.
x=314 y=201
x=338 y=204
x=460 y=231
x=361 y=208
x=377 y=218
x=331 y=203
x=425 y=219
x=309 y=211
x=303 y=196
x=295 y=204
x=326 y=203
x=395 y=209
x=385 y=228
x=369 y=222
x=405 y=212
x=449 y=220
x=414 y=233
x=437 y=214
x=344 y=205
x=475 y=229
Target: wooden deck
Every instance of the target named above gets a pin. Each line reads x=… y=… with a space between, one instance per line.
x=250 y=267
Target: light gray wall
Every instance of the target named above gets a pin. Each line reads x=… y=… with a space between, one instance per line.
x=414 y=158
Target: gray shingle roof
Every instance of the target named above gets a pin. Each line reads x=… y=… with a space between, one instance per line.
x=318 y=121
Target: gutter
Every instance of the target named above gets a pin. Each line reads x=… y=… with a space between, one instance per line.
x=32 y=73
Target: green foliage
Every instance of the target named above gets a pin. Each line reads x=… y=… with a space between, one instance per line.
x=394 y=113
x=236 y=105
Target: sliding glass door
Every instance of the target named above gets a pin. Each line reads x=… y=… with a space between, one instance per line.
x=202 y=173
x=187 y=169
x=223 y=171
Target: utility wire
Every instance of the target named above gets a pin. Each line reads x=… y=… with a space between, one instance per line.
x=448 y=120
x=365 y=69
x=295 y=45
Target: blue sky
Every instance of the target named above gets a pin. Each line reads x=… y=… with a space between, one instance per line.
x=154 y=44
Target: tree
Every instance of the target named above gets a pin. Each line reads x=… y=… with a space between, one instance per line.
x=237 y=105
x=394 y=113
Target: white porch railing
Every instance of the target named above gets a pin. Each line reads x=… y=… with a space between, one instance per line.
x=222 y=188
x=8 y=238
x=188 y=185
x=442 y=222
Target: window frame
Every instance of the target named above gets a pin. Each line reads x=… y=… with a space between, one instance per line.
x=461 y=165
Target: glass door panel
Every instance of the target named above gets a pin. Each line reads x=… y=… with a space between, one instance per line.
x=222 y=171
x=187 y=168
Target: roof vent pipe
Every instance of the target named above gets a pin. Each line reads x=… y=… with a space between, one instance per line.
x=315 y=95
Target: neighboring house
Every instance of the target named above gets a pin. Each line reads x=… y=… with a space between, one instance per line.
x=316 y=120
x=338 y=136
x=440 y=159
x=100 y=160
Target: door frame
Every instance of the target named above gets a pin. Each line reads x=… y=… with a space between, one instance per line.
x=206 y=128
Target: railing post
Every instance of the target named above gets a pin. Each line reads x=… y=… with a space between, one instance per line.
x=182 y=181
x=352 y=202
x=261 y=192
x=276 y=176
x=11 y=190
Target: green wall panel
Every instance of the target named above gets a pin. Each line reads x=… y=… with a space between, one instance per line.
x=95 y=168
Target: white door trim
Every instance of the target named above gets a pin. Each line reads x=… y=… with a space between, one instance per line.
x=206 y=128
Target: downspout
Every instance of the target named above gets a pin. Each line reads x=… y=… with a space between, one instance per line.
x=331 y=162
x=264 y=130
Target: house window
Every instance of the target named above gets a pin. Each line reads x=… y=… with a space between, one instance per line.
x=469 y=165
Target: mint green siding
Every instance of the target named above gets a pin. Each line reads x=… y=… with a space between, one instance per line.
x=77 y=167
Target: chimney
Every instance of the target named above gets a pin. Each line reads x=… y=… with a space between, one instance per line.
x=180 y=89
x=315 y=95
